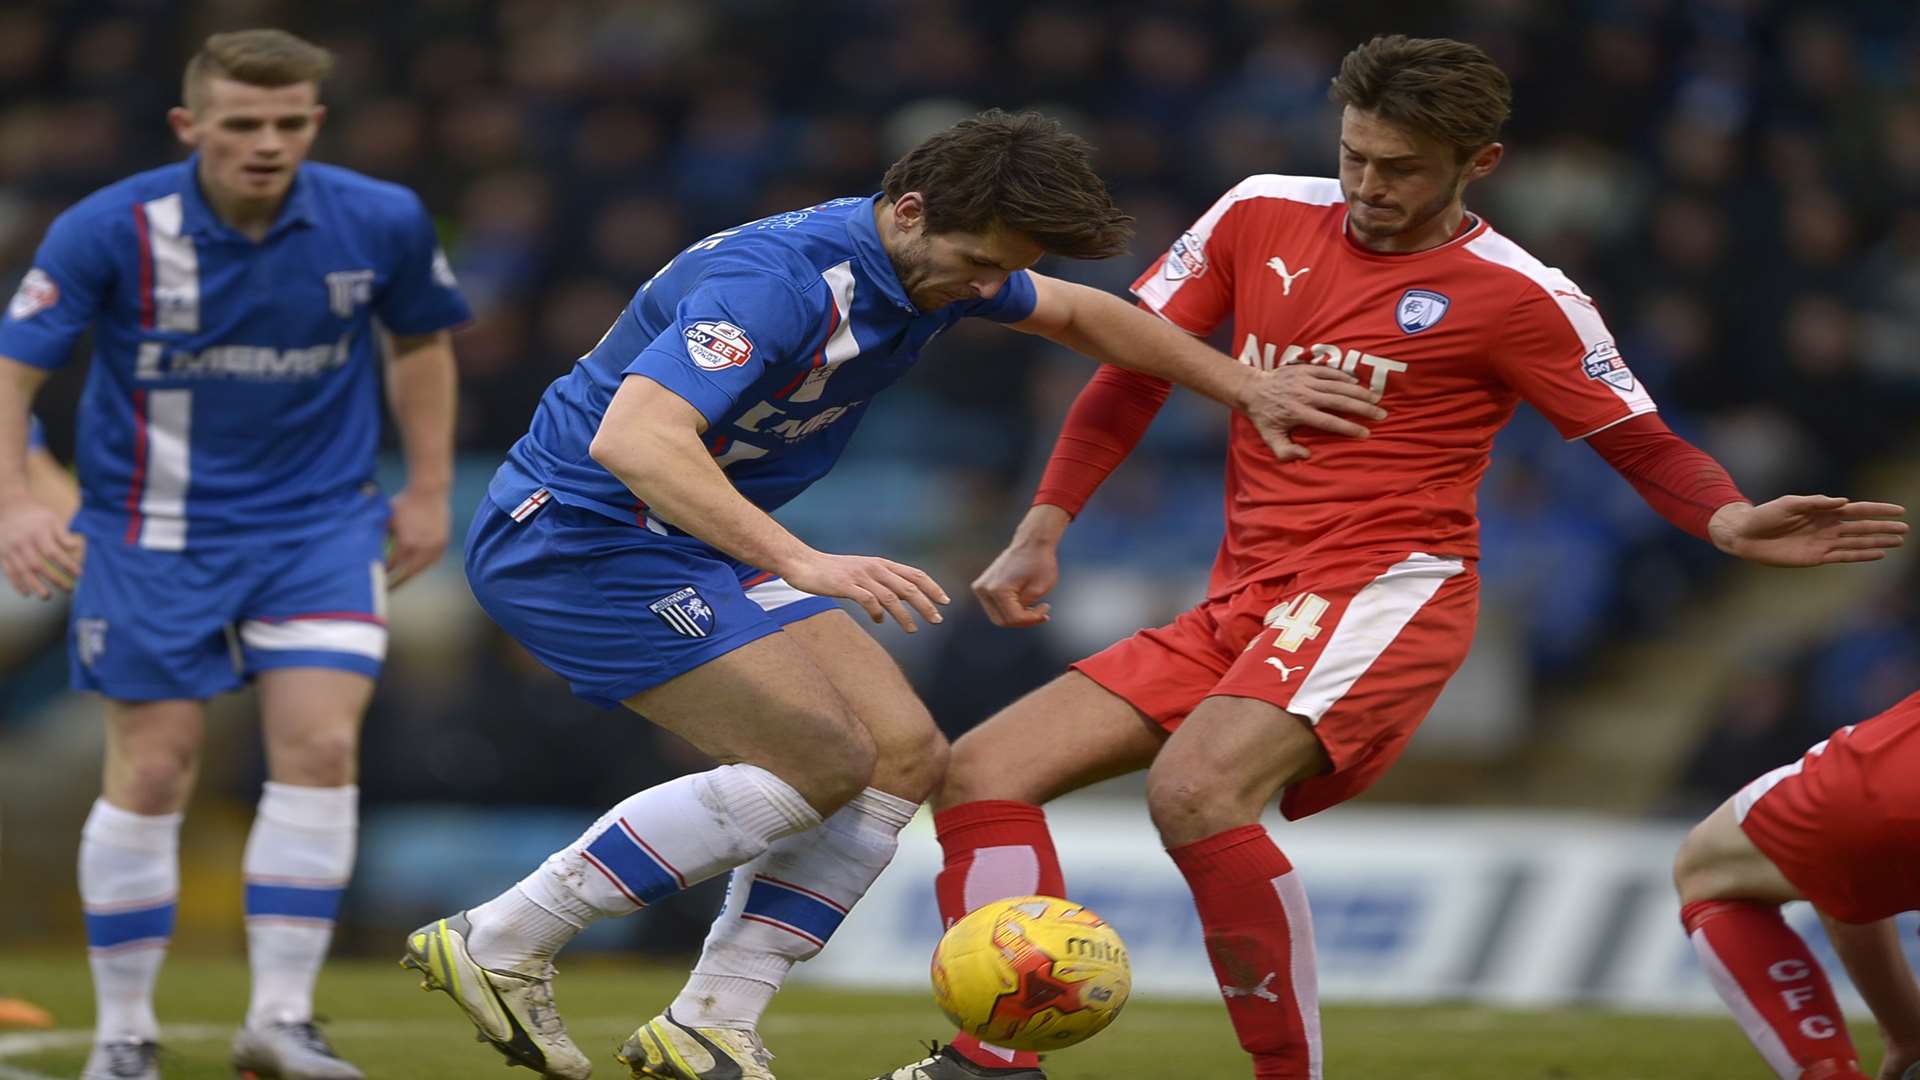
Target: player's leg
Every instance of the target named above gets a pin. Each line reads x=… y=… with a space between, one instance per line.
x=146 y=634
x=1072 y=732
x=784 y=906
x=1333 y=672
x=1206 y=793
x=130 y=872
x=312 y=634
x=793 y=755
x=1730 y=896
x=297 y=862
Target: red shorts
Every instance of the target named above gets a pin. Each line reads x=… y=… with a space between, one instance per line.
x=1359 y=652
x=1843 y=822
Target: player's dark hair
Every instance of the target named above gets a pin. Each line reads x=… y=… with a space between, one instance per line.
x=1022 y=171
x=1440 y=87
x=265 y=57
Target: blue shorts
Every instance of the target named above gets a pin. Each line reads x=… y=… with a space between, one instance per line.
x=150 y=625
x=615 y=608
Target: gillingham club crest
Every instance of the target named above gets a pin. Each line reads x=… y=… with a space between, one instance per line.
x=685 y=612
x=1419 y=309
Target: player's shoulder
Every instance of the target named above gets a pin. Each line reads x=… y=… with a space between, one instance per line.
x=1302 y=191
x=111 y=207
x=1499 y=255
x=793 y=250
x=356 y=196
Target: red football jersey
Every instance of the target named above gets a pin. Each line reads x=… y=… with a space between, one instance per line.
x=1453 y=337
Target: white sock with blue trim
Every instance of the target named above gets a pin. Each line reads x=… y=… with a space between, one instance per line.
x=783 y=907
x=129 y=886
x=651 y=845
x=298 y=859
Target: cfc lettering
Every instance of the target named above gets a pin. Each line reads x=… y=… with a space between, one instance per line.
x=1376 y=371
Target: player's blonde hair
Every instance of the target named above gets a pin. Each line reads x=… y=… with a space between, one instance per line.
x=1022 y=171
x=264 y=57
x=1448 y=89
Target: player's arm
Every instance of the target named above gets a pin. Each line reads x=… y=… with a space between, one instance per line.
x=1106 y=422
x=422 y=388
x=1110 y=330
x=37 y=552
x=1878 y=968
x=50 y=484
x=1685 y=485
x=1558 y=353
x=650 y=440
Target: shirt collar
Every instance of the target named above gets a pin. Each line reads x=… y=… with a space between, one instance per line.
x=197 y=216
x=873 y=254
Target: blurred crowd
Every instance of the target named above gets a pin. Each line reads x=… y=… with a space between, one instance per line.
x=1737 y=183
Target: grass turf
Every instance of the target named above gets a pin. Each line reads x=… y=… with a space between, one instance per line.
x=383 y=1023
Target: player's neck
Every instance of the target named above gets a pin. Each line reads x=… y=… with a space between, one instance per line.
x=1445 y=227
x=251 y=218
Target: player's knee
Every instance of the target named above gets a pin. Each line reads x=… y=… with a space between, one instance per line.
x=322 y=756
x=1692 y=868
x=831 y=763
x=973 y=772
x=1187 y=805
x=156 y=781
x=910 y=763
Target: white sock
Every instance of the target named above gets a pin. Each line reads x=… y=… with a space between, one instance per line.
x=298 y=859
x=129 y=885
x=783 y=906
x=651 y=845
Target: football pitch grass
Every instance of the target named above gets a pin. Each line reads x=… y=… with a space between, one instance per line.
x=381 y=1021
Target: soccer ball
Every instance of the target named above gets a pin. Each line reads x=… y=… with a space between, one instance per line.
x=1031 y=973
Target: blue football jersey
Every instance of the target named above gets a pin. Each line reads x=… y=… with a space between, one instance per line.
x=780 y=332
x=235 y=385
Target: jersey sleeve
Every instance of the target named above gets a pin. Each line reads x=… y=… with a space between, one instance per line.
x=421 y=296
x=58 y=298
x=1556 y=351
x=728 y=332
x=1191 y=285
x=1014 y=302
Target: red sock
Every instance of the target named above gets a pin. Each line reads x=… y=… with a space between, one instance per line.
x=1767 y=976
x=995 y=848
x=1260 y=939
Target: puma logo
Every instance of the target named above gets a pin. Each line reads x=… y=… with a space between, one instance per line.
x=1259 y=990
x=1285 y=671
x=1279 y=266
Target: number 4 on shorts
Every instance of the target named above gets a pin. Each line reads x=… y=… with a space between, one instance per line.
x=1298 y=621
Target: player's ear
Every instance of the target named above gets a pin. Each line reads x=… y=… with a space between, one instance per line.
x=1486 y=160
x=181 y=121
x=910 y=211
x=319 y=116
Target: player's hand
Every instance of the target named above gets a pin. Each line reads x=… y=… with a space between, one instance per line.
x=1307 y=395
x=881 y=586
x=417 y=531
x=37 y=552
x=1011 y=587
x=1808 y=530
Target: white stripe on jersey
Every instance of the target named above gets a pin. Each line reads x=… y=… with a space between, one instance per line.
x=776 y=594
x=163 y=496
x=316 y=635
x=840 y=346
x=1312 y=190
x=1757 y=788
x=1574 y=304
x=1375 y=617
x=176 y=268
